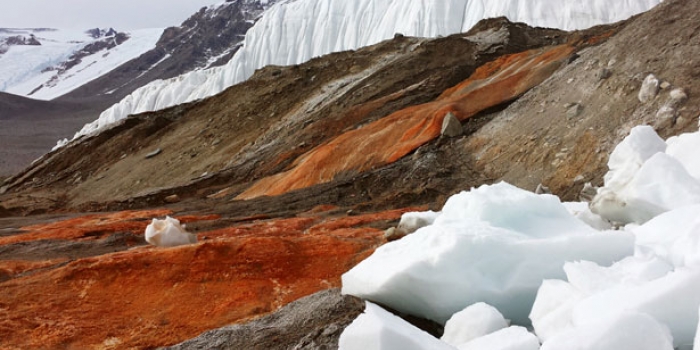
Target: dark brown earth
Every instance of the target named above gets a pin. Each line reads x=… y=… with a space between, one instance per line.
x=557 y=104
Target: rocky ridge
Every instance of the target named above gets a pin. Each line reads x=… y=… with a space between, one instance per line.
x=557 y=104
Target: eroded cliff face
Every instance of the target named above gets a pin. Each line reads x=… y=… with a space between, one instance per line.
x=290 y=178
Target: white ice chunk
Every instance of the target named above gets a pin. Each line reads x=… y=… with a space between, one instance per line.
x=475 y=321
x=494 y=244
x=508 y=207
x=591 y=278
x=647 y=178
x=672 y=300
x=582 y=211
x=412 y=221
x=552 y=311
x=377 y=329
x=511 y=338
x=684 y=148
x=649 y=89
x=168 y=233
x=674 y=236
x=696 y=343
x=629 y=155
x=626 y=331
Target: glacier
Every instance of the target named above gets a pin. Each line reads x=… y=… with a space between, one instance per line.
x=294 y=31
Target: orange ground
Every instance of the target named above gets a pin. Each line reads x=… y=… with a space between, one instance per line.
x=390 y=138
x=147 y=297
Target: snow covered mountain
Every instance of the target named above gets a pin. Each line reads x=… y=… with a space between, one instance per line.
x=87 y=71
x=47 y=63
x=294 y=31
x=208 y=38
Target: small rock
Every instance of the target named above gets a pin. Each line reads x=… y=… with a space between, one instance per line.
x=216 y=142
x=572 y=58
x=649 y=90
x=678 y=96
x=172 y=199
x=604 y=74
x=542 y=189
x=3 y=189
x=579 y=178
x=665 y=117
x=451 y=126
x=588 y=192
x=574 y=110
x=154 y=153
x=665 y=85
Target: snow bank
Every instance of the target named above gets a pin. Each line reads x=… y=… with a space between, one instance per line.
x=473 y=322
x=627 y=331
x=377 y=329
x=168 y=233
x=494 y=244
x=293 y=32
x=645 y=179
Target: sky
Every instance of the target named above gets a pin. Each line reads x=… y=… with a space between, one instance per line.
x=86 y=14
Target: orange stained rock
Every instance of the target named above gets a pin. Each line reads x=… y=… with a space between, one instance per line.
x=390 y=138
x=306 y=225
x=11 y=268
x=149 y=297
x=153 y=297
x=95 y=226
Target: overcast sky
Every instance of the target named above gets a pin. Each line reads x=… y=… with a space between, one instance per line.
x=85 y=14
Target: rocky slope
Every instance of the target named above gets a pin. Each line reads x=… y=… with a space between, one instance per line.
x=296 y=31
x=289 y=178
x=208 y=38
